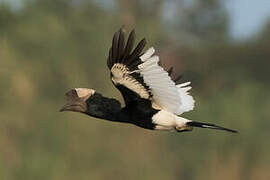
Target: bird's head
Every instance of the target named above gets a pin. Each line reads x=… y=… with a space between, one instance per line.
x=76 y=99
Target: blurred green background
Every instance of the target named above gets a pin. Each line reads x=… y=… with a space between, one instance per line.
x=50 y=46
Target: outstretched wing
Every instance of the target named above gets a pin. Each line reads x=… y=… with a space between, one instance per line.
x=138 y=75
x=123 y=64
x=166 y=94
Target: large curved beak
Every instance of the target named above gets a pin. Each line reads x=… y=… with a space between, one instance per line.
x=66 y=107
x=71 y=106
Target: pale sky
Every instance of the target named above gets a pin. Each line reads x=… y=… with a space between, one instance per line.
x=247 y=16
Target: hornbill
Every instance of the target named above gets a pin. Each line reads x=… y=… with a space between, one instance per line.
x=152 y=98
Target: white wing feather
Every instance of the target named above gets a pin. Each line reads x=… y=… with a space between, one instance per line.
x=167 y=95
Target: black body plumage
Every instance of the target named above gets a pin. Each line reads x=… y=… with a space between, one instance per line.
x=138 y=112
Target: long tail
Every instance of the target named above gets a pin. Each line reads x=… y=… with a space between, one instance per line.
x=210 y=126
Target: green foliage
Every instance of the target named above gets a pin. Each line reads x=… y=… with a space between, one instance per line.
x=48 y=47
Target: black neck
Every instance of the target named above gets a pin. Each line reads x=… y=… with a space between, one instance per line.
x=105 y=108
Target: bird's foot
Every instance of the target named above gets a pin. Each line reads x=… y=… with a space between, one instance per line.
x=184 y=129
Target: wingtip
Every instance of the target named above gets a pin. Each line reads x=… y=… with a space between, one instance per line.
x=144 y=40
x=132 y=31
x=123 y=28
x=132 y=34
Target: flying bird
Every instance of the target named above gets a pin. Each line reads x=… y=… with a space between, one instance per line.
x=153 y=100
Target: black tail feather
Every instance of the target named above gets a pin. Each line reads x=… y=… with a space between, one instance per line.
x=210 y=126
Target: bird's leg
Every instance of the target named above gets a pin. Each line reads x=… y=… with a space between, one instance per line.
x=184 y=129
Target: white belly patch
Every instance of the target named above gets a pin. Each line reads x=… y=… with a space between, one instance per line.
x=165 y=120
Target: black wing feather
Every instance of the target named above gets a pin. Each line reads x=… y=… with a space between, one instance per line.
x=109 y=61
x=115 y=47
x=177 y=79
x=170 y=71
x=130 y=44
x=121 y=44
x=136 y=53
x=123 y=54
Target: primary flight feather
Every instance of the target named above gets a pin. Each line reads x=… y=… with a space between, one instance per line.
x=152 y=98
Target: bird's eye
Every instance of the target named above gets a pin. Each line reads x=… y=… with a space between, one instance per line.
x=72 y=93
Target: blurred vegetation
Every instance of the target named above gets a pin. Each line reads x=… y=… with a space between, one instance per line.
x=50 y=46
